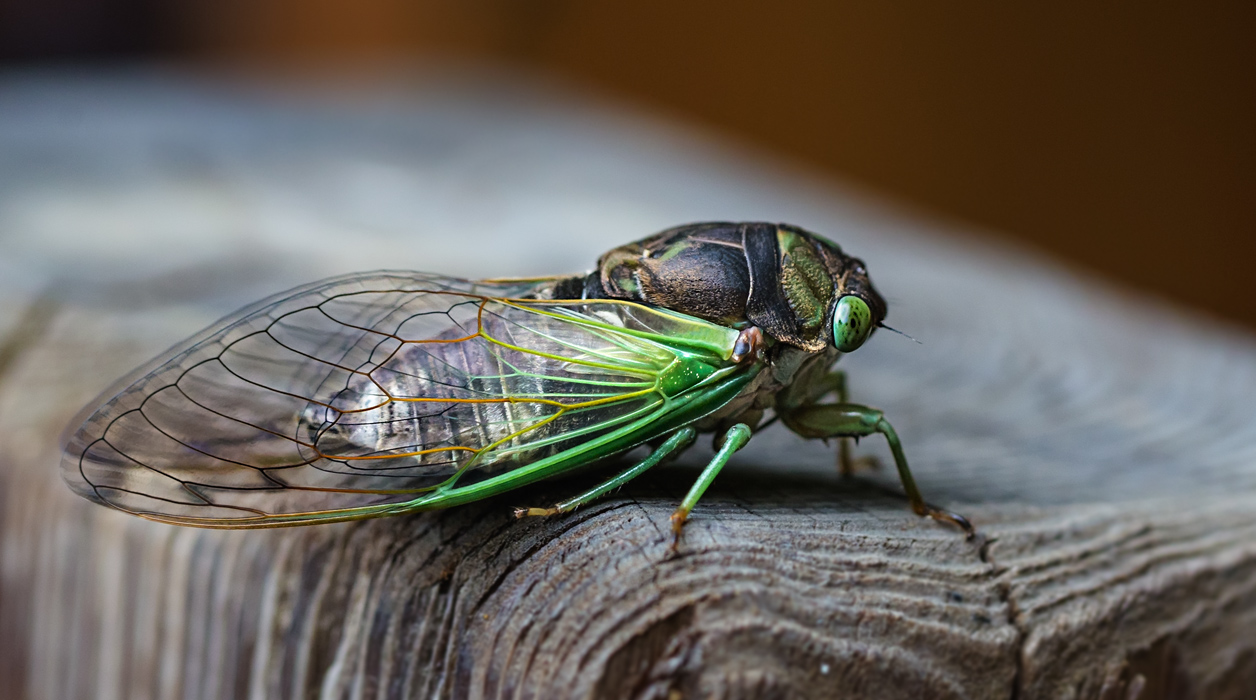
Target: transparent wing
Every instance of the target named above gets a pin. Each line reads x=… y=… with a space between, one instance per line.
x=361 y=391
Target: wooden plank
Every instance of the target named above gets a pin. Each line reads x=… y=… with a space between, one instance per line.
x=1103 y=445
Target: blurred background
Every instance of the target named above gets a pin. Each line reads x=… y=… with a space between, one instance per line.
x=1120 y=140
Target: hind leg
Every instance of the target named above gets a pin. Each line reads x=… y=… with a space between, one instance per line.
x=672 y=446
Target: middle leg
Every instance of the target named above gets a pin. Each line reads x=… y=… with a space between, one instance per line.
x=735 y=439
x=677 y=443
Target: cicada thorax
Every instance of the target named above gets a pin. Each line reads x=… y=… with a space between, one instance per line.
x=780 y=278
x=699 y=270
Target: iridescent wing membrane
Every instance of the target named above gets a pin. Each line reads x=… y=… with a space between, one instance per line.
x=350 y=396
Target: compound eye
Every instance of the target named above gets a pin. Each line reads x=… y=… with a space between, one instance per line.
x=852 y=322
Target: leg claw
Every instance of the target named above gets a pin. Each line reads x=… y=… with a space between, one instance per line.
x=521 y=513
x=953 y=518
x=678 y=522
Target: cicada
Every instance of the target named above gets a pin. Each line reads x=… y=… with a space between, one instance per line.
x=384 y=393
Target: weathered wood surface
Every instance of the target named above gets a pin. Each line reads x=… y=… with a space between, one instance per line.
x=1104 y=446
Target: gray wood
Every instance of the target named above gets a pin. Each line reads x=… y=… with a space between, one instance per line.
x=1103 y=445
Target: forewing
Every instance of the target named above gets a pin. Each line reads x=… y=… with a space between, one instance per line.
x=346 y=397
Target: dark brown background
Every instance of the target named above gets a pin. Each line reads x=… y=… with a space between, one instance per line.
x=1120 y=139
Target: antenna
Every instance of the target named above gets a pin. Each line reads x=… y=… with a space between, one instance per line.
x=895 y=330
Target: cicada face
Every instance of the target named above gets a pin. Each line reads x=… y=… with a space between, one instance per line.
x=799 y=288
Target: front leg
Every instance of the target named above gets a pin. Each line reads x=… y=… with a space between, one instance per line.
x=809 y=392
x=810 y=386
x=848 y=420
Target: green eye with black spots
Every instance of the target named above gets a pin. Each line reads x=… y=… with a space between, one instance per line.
x=852 y=322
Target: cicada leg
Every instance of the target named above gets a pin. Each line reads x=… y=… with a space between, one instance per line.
x=735 y=439
x=809 y=393
x=847 y=463
x=850 y=420
x=672 y=446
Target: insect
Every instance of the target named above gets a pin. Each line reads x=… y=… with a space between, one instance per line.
x=383 y=393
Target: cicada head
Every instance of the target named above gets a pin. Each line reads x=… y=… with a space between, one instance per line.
x=799 y=288
x=829 y=294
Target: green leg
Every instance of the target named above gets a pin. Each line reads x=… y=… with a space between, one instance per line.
x=735 y=439
x=672 y=446
x=854 y=421
x=807 y=390
x=810 y=393
x=835 y=382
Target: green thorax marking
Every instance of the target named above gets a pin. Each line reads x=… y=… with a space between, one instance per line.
x=805 y=280
x=683 y=374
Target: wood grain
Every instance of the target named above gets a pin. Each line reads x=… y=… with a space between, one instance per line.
x=1103 y=446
